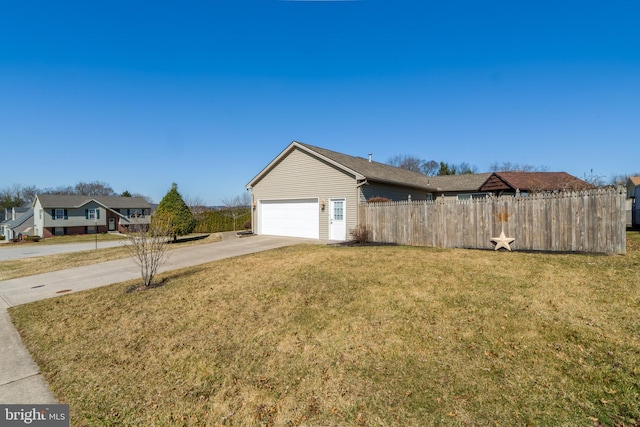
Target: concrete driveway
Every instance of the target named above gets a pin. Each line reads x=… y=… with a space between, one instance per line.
x=20 y=378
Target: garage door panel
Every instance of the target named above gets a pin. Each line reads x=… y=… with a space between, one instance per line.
x=295 y=218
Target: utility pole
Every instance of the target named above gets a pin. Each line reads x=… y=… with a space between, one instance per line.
x=95 y=219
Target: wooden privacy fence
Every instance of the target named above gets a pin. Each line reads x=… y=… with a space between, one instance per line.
x=572 y=221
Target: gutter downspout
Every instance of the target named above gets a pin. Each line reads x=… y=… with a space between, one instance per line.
x=358 y=185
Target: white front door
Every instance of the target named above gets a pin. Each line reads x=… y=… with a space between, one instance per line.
x=337 y=223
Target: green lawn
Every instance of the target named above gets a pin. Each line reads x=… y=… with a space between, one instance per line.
x=326 y=335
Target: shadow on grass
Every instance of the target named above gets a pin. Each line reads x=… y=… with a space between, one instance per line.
x=139 y=287
x=189 y=239
x=352 y=244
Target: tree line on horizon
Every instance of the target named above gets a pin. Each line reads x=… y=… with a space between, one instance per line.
x=434 y=168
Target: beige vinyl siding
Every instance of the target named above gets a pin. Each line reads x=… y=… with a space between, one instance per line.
x=393 y=192
x=300 y=175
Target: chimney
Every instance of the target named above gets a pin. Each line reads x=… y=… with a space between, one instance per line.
x=370 y=154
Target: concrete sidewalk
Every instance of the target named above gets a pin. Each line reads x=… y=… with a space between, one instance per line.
x=20 y=378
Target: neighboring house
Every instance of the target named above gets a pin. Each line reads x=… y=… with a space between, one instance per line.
x=461 y=187
x=633 y=194
x=479 y=185
x=56 y=215
x=312 y=192
x=19 y=222
x=500 y=183
x=13 y=213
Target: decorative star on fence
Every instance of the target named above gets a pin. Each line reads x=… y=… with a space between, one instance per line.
x=502 y=241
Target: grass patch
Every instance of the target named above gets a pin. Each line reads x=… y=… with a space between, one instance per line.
x=79 y=238
x=45 y=264
x=315 y=335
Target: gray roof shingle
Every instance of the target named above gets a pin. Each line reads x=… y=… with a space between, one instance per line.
x=113 y=202
x=455 y=183
x=375 y=171
x=20 y=219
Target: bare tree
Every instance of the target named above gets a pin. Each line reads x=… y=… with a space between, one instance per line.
x=148 y=245
x=407 y=162
x=95 y=188
x=594 y=179
x=430 y=168
x=196 y=204
x=415 y=164
x=515 y=167
x=59 y=190
x=622 y=178
x=238 y=207
x=464 y=168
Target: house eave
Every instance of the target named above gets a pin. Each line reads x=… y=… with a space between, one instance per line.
x=427 y=188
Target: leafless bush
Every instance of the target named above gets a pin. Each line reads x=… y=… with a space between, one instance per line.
x=360 y=234
x=148 y=246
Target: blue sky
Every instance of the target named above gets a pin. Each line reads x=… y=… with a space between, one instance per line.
x=206 y=93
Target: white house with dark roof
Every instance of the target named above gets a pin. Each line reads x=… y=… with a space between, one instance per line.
x=56 y=215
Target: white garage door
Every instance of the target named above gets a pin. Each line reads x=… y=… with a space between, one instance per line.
x=295 y=218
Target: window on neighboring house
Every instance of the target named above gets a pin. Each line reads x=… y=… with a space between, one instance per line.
x=58 y=231
x=40 y=214
x=92 y=213
x=59 y=214
x=134 y=213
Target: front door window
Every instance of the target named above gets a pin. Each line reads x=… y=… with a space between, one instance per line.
x=337 y=224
